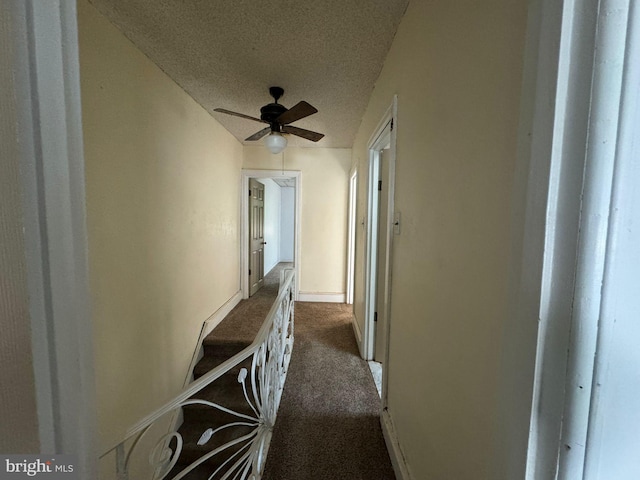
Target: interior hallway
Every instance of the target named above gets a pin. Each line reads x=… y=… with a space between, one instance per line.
x=328 y=424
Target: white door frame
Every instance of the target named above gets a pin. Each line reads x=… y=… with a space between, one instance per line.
x=385 y=133
x=351 y=238
x=46 y=68
x=574 y=67
x=244 y=224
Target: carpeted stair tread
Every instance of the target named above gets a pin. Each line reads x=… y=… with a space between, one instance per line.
x=202 y=472
x=244 y=321
x=229 y=396
x=235 y=339
x=209 y=362
x=225 y=349
x=238 y=331
x=191 y=451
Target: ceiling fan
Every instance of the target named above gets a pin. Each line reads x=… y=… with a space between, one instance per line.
x=279 y=117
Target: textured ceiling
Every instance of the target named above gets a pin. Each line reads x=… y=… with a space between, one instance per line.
x=226 y=53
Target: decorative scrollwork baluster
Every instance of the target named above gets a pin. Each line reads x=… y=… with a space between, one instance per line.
x=270 y=354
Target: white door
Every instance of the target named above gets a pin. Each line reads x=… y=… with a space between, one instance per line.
x=256 y=236
x=380 y=326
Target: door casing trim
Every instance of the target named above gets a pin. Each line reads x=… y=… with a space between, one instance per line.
x=244 y=223
x=379 y=137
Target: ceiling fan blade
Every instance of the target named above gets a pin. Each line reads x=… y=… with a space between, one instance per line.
x=301 y=132
x=298 y=111
x=236 y=114
x=258 y=135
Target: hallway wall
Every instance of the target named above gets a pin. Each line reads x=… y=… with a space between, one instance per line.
x=287 y=220
x=325 y=185
x=163 y=192
x=456 y=68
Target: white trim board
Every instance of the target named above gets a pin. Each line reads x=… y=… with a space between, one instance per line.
x=573 y=71
x=46 y=68
x=351 y=236
x=400 y=467
x=357 y=332
x=322 y=297
x=384 y=133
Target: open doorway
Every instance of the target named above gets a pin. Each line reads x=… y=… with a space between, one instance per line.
x=381 y=224
x=270 y=225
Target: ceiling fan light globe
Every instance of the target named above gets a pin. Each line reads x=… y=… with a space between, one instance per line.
x=275 y=142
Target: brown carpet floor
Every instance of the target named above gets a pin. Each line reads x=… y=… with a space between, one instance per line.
x=328 y=425
x=244 y=321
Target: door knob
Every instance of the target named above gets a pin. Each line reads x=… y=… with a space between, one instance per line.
x=263 y=243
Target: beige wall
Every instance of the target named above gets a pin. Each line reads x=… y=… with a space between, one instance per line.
x=162 y=182
x=325 y=186
x=18 y=414
x=456 y=67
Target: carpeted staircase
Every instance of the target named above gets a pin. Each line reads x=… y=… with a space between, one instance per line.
x=328 y=424
x=236 y=332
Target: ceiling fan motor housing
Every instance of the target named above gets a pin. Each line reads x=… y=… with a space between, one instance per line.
x=269 y=113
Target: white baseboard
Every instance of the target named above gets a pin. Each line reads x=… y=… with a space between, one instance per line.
x=322 y=297
x=357 y=333
x=398 y=461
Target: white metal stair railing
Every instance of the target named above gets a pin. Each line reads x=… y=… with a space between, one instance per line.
x=262 y=386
